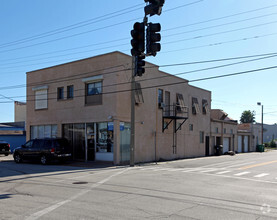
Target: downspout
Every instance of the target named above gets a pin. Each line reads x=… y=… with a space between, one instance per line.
x=221 y=139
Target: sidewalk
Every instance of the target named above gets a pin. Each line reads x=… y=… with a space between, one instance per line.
x=89 y=164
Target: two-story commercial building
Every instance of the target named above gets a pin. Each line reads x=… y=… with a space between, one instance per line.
x=89 y=102
x=223 y=130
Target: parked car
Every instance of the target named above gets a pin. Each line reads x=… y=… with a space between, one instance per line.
x=44 y=150
x=4 y=148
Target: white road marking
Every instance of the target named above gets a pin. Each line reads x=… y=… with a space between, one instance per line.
x=222 y=172
x=210 y=170
x=261 y=175
x=149 y=168
x=237 y=177
x=83 y=176
x=175 y=169
x=241 y=164
x=45 y=211
x=216 y=164
x=242 y=173
x=190 y=170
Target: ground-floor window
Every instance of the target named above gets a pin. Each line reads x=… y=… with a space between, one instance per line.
x=90 y=141
x=44 y=131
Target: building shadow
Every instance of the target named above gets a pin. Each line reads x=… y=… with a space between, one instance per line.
x=5 y=196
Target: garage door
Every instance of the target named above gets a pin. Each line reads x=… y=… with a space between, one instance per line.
x=245 y=143
x=225 y=145
x=239 y=144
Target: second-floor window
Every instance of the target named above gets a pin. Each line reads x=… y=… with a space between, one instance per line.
x=70 y=92
x=195 y=106
x=60 y=93
x=180 y=104
x=205 y=108
x=160 y=97
x=41 y=97
x=94 y=93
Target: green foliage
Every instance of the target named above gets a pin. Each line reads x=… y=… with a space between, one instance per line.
x=247 y=117
x=272 y=143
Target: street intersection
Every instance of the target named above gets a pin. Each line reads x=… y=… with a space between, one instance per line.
x=243 y=186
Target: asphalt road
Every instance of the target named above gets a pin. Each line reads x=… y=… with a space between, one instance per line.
x=243 y=186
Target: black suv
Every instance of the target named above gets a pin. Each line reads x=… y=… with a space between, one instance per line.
x=45 y=150
x=4 y=148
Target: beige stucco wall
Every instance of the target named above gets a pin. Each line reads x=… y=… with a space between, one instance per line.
x=116 y=105
x=253 y=132
x=231 y=133
x=19 y=111
x=149 y=120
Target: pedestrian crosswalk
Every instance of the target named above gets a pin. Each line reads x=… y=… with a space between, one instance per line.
x=214 y=171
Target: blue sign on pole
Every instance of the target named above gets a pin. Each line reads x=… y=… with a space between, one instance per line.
x=121 y=126
x=110 y=126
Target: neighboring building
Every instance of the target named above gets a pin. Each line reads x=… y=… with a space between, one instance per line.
x=249 y=136
x=223 y=130
x=19 y=111
x=13 y=133
x=88 y=102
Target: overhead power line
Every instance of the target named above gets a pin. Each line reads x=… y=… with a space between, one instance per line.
x=127 y=38
x=89 y=31
x=221 y=43
x=73 y=26
x=223 y=17
x=193 y=38
x=153 y=78
x=178 y=83
x=79 y=76
x=217 y=33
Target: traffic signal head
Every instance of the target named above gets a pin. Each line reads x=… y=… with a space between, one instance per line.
x=139 y=65
x=138 y=38
x=152 y=39
x=154 y=8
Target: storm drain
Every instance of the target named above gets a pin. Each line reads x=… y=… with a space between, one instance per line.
x=80 y=182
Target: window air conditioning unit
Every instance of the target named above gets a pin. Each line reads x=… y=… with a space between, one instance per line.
x=161 y=105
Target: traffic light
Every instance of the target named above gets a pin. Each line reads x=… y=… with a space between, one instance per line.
x=138 y=44
x=139 y=65
x=154 y=7
x=152 y=37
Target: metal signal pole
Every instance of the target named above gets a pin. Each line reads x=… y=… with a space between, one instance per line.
x=132 y=146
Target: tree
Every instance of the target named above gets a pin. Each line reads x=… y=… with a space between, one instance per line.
x=247 y=117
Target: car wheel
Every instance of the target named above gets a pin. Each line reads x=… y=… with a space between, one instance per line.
x=43 y=159
x=6 y=154
x=17 y=158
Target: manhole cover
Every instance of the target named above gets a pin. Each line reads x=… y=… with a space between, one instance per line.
x=80 y=182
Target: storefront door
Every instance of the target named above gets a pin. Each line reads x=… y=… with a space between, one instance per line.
x=90 y=141
x=125 y=141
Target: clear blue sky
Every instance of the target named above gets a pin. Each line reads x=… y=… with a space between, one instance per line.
x=33 y=36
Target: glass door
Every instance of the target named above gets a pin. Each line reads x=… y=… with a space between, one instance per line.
x=125 y=141
x=90 y=142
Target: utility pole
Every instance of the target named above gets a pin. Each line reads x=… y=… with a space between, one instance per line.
x=262 y=124
x=154 y=7
x=262 y=138
x=132 y=146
